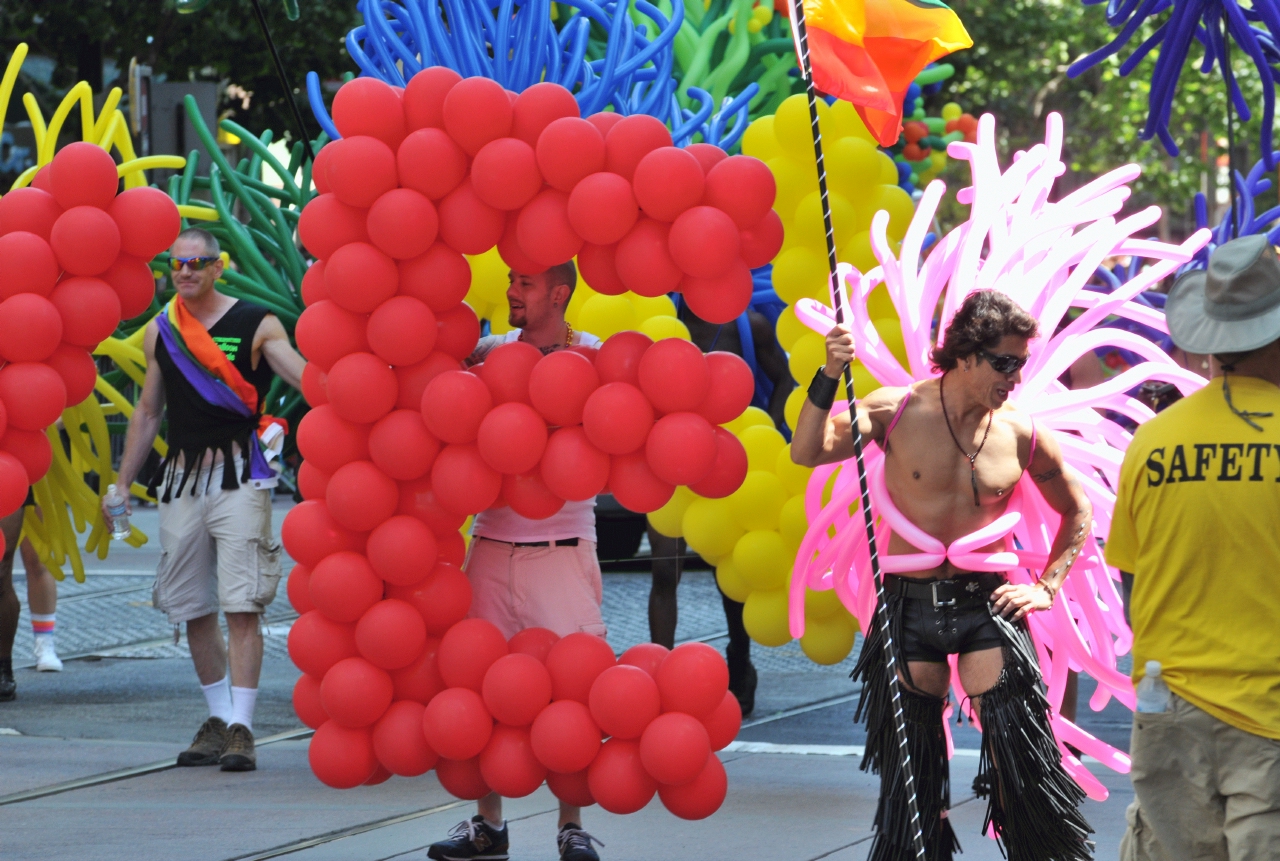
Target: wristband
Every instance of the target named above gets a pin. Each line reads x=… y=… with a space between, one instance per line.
x=822 y=390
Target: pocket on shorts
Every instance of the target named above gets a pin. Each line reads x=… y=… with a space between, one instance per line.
x=266 y=558
x=162 y=580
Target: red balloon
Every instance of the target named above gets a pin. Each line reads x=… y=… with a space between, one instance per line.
x=27 y=265
x=617 y=418
x=439 y=277
x=13 y=490
x=508 y=765
x=313 y=385
x=320 y=168
x=574 y=663
x=510 y=251
x=597 y=265
x=343 y=585
x=568 y=150
x=418 y=499
x=674 y=376
x=402 y=550
x=631 y=139
x=620 y=357
x=83 y=174
x=89 y=308
x=505 y=173
x=727 y=470
x=538 y=107
x=571 y=788
x=361 y=388
x=401 y=446
x=399 y=743
x=355 y=693
x=456 y=723
x=41 y=180
x=693 y=679
x=700 y=797
x=467 y=223
x=391 y=634
x=634 y=485
x=477 y=111
x=603 y=208
x=134 y=284
x=719 y=300
x=506 y=371
x=430 y=163
x=35 y=211
x=360 y=496
x=85 y=240
x=761 y=242
x=306 y=702
x=452 y=548
x=147 y=219
x=326 y=332
x=704 y=242
x=420 y=680
x=572 y=468
x=310 y=533
x=359 y=277
x=732 y=387
x=368 y=106
x=329 y=441
x=402 y=223
x=316 y=643
x=454 y=404
x=674 y=748
x=467 y=650
x=723 y=723
x=462 y=778
x=543 y=229
x=30 y=328
x=527 y=495
x=361 y=169
x=424 y=97
x=442 y=599
x=312 y=483
x=604 y=121
x=327 y=224
x=681 y=448
x=644 y=260
x=402 y=331
x=33 y=394
x=559 y=386
x=708 y=155
x=31 y=448
x=516 y=688
x=536 y=642
x=512 y=438
x=76 y=368
x=565 y=737
x=743 y=187
x=667 y=182
x=413 y=379
x=457 y=331
x=297 y=586
x=617 y=779
x=646 y=656
x=624 y=700
x=342 y=757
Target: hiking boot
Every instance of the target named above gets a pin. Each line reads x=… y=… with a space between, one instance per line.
x=472 y=840
x=46 y=655
x=206 y=748
x=575 y=844
x=8 y=687
x=742 y=683
x=239 y=754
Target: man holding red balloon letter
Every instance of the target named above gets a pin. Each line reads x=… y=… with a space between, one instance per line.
x=525 y=573
x=210 y=361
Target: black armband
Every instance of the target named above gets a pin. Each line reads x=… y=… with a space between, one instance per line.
x=822 y=390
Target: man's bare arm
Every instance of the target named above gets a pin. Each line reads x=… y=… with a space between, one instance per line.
x=144 y=424
x=821 y=437
x=279 y=353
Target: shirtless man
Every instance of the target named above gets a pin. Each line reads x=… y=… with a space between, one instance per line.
x=955 y=451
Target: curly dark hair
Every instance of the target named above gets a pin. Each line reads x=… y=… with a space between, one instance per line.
x=982 y=320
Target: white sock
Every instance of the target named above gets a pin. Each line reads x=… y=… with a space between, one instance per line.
x=242 y=702
x=496 y=826
x=218 y=696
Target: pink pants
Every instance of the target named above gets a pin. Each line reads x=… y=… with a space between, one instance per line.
x=557 y=588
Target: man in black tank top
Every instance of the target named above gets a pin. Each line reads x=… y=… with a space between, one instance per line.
x=217 y=551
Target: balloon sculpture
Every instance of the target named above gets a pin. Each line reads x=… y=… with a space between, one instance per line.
x=1042 y=254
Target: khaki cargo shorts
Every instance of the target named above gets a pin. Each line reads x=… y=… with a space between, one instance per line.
x=216 y=551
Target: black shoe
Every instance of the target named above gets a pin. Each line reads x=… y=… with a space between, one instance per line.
x=742 y=682
x=8 y=687
x=239 y=753
x=575 y=844
x=472 y=840
x=208 y=745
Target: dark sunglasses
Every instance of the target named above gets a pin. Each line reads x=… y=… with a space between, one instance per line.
x=1003 y=364
x=196 y=263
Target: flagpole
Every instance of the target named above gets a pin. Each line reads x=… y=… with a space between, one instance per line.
x=882 y=612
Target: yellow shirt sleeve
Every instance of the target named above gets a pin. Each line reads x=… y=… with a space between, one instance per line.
x=1122 y=543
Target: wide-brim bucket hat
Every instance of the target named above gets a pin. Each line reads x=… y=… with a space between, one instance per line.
x=1233 y=306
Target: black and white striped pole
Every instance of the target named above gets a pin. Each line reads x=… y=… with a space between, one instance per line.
x=882 y=612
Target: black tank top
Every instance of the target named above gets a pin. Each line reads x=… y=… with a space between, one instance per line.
x=197 y=426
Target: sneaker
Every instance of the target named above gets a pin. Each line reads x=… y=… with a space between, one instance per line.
x=46 y=654
x=472 y=840
x=575 y=844
x=742 y=683
x=239 y=754
x=8 y=687
x=206 y=748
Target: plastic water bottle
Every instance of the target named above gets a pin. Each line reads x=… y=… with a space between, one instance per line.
x=1153 y=693
x=116 y=512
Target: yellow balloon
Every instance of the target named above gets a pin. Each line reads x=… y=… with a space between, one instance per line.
x=765 y=617
x=603 y=315
x=808 y=227
x=750 y=417
x=844 y=121
x=888 y=170
x=579 y=298
x=729 y=581
x=795 y=478
x=792 y=523
x=759 y=140
x=800 y=273
x=852 y=165
x=668 y=520
x=709 y=527
x=762 y=442
x=793 y=129
x=789 y=328
x=794 y=181
x=760 y=559
x=829 y=641
x=950 y=111
x=661 y=326
x=499 y=318
x=821 y=604
x=757 y=503
x=858 y=254
x=808 y=353
x=652 y=306
x=880 y=306
x=899 y=206
x=489 y=275
x=864 y=383
x=891 y=333
x=795 y=400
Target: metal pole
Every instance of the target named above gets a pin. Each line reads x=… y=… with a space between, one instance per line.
x=1231 y=133
x=284 y=80
x=882 y=612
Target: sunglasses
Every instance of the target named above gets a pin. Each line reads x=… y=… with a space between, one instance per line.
x=1003 y=364
x=196 y=263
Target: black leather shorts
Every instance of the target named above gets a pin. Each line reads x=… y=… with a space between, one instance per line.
x=945 y=617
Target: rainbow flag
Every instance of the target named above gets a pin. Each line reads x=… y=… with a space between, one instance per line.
x=869 y=51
